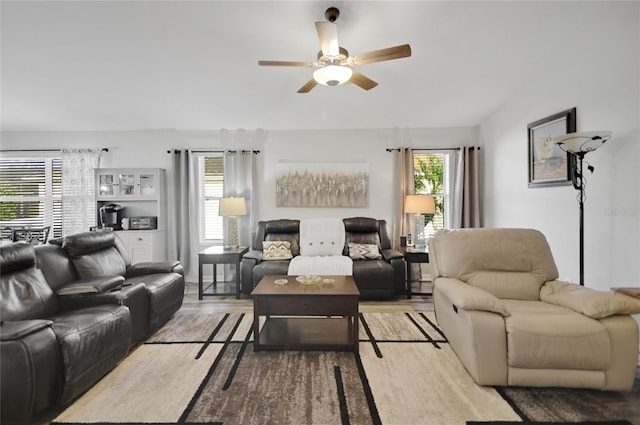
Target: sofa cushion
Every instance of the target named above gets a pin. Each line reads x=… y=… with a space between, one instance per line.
x=100 y=263
x=463 y=252
x=88 y=242
x=24 y=292
x=276 y=250
x=360 y=251
x=512 y=285
x=92 y=341
x=278 y=230
x=595 y=304
x=545 y=336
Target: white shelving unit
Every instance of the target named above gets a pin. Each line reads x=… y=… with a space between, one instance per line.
x=141 y=192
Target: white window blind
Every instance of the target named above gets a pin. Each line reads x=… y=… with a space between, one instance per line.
x=31 y=193
x=211 y=186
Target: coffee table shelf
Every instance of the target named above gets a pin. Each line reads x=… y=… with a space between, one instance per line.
x=307 y=333
x=298 y=317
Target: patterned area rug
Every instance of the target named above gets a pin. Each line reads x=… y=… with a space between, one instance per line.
x=202 y=369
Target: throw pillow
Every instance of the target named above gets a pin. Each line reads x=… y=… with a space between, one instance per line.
x=276 y=250
x=363 y=251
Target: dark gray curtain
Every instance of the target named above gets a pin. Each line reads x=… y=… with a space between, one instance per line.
x=183 y=228
x=467 y=203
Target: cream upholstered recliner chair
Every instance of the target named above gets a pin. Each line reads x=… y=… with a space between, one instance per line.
x=511 y=322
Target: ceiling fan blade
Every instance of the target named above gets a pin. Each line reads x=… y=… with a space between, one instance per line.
x=328 y=36
x=381 y=55
x=307 y=87
x=362 y=81
x=286 y=63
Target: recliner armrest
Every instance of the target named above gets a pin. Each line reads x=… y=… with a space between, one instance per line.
x=12 y=331
x=254 y=254
x=153 y=267
x=587 y=301
x=91 y=285
x=468 y=297
x=390 y=254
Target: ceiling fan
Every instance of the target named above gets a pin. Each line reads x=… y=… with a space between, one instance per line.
x=334 y=62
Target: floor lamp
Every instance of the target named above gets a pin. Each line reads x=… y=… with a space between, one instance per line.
x=232 y=208
x=580 y=144
x=419 y=205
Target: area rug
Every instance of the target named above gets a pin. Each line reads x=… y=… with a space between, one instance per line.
x=202 y=369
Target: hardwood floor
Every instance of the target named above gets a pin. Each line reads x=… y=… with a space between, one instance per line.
x=229 y=303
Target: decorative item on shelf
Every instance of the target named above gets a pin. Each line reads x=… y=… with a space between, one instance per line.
x=419 y=205
x=232 y=207
x=308 y=280
x=580 y=144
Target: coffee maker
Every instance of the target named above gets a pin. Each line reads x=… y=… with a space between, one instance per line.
x=110 y=216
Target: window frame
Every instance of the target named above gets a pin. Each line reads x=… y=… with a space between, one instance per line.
x=203 y=198
x=50 y=196
x=448 y=157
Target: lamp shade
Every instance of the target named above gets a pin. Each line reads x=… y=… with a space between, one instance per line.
x=419 y=204
x=232 y=207
x=583 y=142
x=332 y=75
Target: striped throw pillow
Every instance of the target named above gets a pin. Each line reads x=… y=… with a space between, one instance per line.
x=363 y=251
x=276 y=250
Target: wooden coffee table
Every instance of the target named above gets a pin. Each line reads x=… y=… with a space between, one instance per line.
x=319 y=317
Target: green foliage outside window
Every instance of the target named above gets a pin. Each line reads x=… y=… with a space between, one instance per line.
x=429 y=180
x=8 y=210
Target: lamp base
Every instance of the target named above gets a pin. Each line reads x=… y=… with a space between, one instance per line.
x=420 y=240
x=232 y=224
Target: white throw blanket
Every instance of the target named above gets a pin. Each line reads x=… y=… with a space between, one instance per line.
x=321 y=236
x=321 y=245
x=326 y=265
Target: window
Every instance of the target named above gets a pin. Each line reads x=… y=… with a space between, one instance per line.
x=31 y=193
x=210 y=190
x=432 y=177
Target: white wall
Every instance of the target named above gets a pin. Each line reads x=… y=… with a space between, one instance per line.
x=601 y=77
x=149 y=149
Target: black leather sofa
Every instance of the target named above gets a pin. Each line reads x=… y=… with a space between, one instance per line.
x=382 y=278
x=70 y=311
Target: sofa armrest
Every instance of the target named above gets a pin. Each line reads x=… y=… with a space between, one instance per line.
x=390 y=254
x=91 y=285
x=253 y=254
x=13 y=331
x=587 y=301
x=153 y=267
x=468 y=297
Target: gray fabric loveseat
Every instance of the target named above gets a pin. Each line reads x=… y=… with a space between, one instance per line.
x=382 y=277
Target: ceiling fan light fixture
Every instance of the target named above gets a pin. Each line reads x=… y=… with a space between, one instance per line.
x=332 y=75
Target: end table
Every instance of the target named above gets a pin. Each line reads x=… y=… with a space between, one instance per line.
x=630 y=291
x=413 y=255
x=220 y=255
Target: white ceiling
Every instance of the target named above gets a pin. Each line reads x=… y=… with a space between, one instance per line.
x=120 y=65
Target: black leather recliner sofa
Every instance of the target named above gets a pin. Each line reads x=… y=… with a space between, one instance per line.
x=381 y=278
x=70 y=311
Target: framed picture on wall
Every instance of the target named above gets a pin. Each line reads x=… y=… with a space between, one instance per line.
x=322 y=185
x=548 y=164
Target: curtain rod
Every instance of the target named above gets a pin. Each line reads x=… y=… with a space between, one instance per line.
x=42 y=150
x=225 y=151
x=432 y=149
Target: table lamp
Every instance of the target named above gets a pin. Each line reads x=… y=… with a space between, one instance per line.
x=232 y=207
x=580 y=144
x=419 y=205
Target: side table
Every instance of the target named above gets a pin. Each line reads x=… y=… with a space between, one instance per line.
x=413 y=255
x=220 y=255
x=630 y=291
